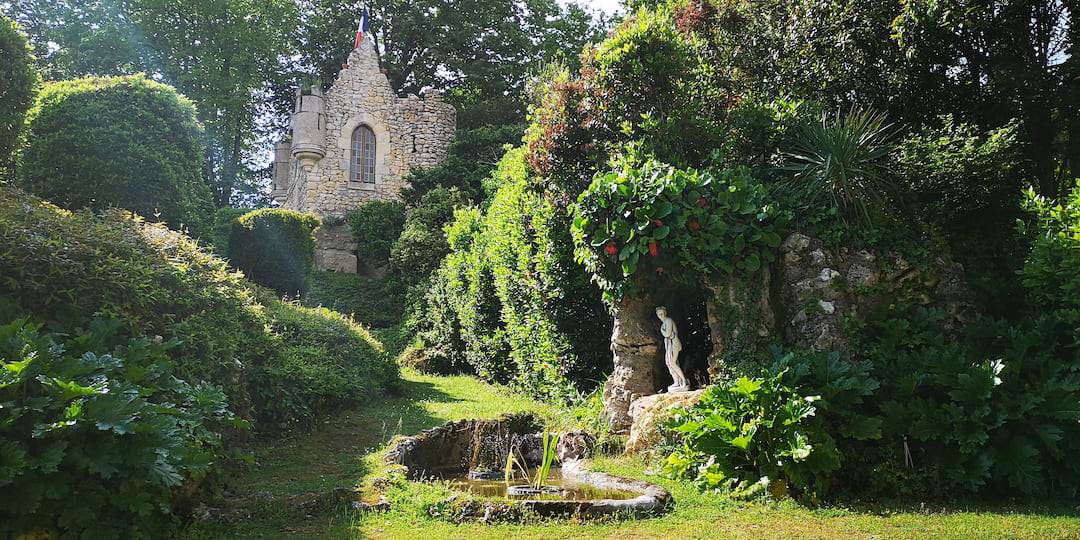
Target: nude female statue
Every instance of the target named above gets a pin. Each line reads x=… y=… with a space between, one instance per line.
x=672 y=347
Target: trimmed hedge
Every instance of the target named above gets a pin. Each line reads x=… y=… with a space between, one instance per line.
x=125 y=142
x=65 y=267
x=275 y=248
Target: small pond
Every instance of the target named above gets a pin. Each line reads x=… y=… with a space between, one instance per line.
x=571 y=489
x=470 y=455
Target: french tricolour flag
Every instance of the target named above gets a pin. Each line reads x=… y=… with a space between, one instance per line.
x=363 y=27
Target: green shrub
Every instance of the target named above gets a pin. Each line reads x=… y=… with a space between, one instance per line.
x=747 y=437
x=275 y=248
x=327 y=361
x=375 y=226
x=65 y=267
x=1051 y=274
x=844 y=388
x=127 y=142
x=757 y=126
x=222 y=229
x=97 y=433
x=992 y=412
x=370 y=301
x=508 y=299
x=18 y=84
x=645 y=223
x=422 y=245
x=962 y=184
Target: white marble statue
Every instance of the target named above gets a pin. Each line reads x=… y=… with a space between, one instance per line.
x=672 y=347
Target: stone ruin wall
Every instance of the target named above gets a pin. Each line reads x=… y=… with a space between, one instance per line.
x=410 y=132
x=801 y=299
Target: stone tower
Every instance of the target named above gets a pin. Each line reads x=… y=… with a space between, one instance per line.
x=354 y=144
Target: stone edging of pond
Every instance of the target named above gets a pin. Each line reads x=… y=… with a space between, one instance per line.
x=455 y=445
x=651 y=500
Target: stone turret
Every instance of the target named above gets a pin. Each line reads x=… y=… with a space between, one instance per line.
x=282 y=172
x=309 y=127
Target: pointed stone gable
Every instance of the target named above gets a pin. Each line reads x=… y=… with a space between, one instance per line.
x=409 y=132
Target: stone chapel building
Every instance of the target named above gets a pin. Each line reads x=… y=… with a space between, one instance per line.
x=356 y=143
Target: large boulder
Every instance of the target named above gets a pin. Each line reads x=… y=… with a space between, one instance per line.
x=647 y=413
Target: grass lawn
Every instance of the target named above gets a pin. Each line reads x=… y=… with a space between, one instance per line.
x=288 y=493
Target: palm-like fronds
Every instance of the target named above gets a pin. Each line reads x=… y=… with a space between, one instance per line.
x=843 y=161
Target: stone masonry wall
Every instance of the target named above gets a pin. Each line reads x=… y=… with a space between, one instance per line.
x=409 y=132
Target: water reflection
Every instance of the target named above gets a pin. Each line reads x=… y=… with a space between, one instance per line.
x=572 y=490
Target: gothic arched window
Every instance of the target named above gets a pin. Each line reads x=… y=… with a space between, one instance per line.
x=362 y=166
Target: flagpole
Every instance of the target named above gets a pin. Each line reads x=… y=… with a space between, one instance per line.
x=362 y=28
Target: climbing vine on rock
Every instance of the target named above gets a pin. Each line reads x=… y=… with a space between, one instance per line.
x=645 y=221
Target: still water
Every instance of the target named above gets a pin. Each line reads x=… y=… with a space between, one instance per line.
x=571 y=490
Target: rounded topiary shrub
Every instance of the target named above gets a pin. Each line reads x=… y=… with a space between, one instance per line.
x=125 y=142
x=326 y=361
x=275 y=248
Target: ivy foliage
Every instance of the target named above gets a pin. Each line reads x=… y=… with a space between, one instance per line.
x=508 y=299
x=18 y=86
x=99 y=413
x=645 y=222
x=275 y=248
x=126 y=142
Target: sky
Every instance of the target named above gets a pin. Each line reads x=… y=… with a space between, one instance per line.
x=607 y=6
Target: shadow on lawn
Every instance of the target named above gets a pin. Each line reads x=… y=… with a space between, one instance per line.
x=1032 y=506
x=297 y=476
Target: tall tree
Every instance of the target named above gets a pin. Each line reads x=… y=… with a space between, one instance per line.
x=1001 y=59
x=481 y=52
x=18 y=83
x=223 y=54
x=239 y=60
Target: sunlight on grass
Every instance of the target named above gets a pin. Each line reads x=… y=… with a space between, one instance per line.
x=286 y=494
x=462 y=396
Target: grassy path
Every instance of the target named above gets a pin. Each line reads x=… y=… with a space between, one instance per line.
x=288 y=494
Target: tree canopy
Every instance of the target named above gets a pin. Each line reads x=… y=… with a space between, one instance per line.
x=18 y=83
x=481 y=52
x=241 y=60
